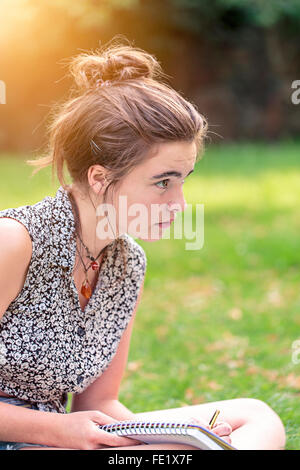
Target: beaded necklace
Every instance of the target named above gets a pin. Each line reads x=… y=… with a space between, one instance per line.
x=86 y=289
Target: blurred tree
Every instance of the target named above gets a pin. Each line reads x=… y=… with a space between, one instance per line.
x=235 y=14
x=197 y=16
x=234 y=58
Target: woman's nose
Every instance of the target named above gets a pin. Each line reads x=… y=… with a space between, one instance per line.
x=178 y=204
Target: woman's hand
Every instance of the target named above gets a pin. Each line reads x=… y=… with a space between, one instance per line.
x=220 y=428
x=80 y=430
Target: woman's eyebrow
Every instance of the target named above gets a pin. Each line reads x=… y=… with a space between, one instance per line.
x=177 y=174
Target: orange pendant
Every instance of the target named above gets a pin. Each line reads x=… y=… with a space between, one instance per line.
x=86 y=289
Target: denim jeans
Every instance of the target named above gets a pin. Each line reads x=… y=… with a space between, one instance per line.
x=17 y=445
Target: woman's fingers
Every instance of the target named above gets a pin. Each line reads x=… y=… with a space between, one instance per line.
x=222 y=429
x=108 y=438
x=113 y=440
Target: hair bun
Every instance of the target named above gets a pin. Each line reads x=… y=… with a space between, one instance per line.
x=113 y=63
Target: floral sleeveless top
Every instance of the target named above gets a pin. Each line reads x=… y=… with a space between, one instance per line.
x=49 y=347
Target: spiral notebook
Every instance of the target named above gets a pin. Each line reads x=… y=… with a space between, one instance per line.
x=169 y=432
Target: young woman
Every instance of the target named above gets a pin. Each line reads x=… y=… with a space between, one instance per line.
x=71 y=275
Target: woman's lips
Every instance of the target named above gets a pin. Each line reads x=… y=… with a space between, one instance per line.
x=165 y=224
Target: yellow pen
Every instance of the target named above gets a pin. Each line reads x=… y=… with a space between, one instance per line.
x=213 y=419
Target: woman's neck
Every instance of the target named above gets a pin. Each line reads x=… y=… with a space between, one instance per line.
x=86 y=206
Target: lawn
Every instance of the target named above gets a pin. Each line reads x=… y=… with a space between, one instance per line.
x=219 y=322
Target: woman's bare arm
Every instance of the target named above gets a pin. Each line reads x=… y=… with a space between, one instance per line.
x=15 y=256
x=103 y=393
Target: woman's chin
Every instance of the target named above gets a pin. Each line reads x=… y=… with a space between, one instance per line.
x=154 y=234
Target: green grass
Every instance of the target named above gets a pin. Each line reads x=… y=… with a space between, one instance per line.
x=219 y=322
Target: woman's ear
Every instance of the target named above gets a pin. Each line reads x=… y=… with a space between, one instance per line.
x=97 y=179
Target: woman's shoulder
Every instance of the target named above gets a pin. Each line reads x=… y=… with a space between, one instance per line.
x=32 y=217
x=14 y=235
x=15 y=257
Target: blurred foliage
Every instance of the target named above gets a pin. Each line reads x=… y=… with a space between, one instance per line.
x=211 y=16
x=233 y=58
x=234 y=14
x=193 y=16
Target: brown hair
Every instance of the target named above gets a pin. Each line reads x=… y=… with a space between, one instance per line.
x=118 y=111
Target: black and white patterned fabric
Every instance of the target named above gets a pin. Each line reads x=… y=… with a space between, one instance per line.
x=48 y=346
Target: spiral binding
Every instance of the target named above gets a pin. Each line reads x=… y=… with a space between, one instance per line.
x=136 y=428
x=133 y=427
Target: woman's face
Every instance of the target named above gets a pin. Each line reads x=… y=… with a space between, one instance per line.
x=148 y=198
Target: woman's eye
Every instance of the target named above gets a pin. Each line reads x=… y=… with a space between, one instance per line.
x=163 y=183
